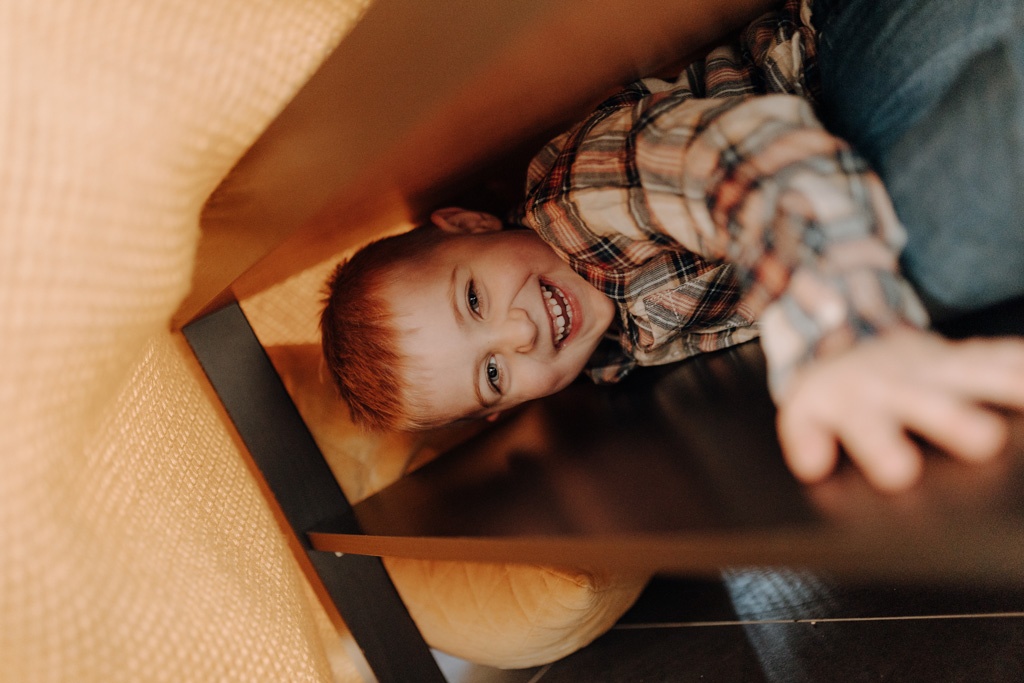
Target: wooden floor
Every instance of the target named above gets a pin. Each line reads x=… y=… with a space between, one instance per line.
x=568 y=474
x=775 y=625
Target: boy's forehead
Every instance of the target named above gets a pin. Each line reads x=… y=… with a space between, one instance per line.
x=437 y=390
x=425 y=331
x=419 y=267
x=434 y=397
x=437 y=263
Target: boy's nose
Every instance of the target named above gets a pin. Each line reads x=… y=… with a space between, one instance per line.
x=518 y=331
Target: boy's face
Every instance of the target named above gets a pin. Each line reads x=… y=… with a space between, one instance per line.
x=489 y=321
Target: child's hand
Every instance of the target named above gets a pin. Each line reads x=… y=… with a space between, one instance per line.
x=871 y=396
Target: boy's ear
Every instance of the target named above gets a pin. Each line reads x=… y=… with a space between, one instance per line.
x=458 y=221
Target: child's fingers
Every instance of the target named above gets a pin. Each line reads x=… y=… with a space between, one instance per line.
x=810 y=448
x=883 y=452
x=959 y=427
x=871 y=398
x=984 y=370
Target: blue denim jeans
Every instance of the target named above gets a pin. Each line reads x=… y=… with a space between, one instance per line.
x=932 y=93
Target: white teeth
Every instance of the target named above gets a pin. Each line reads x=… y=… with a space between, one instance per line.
x=561 y=319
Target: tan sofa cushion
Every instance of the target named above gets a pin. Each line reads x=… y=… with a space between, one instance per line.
x=508 y=615
x=135 y=544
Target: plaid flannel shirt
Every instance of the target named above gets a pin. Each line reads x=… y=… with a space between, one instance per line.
x=717 y=206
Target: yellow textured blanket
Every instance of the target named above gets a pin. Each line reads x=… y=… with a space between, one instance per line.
x=134 y=544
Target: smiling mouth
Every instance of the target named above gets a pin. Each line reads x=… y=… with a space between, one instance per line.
x=559 y=311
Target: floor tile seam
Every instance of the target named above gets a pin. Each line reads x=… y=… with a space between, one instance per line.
x=540 y=674
x=822 y=620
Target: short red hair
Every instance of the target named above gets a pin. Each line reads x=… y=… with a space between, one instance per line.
x=358 y=333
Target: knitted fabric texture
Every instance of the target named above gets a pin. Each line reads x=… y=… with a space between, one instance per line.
x=134 y=543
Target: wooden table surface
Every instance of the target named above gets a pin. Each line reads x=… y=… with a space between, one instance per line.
x=675 y=471
x=678 y=470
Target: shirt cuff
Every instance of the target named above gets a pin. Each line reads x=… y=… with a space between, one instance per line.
x=821 y=316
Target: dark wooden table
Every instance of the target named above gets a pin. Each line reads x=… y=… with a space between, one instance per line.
x=678 y=470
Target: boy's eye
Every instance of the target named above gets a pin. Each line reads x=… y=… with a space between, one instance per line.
x=472 y=299
x=493 y=374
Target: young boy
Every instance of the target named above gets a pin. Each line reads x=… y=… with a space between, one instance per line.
x=665 y=225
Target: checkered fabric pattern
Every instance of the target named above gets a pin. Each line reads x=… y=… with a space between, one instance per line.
x=717 y=205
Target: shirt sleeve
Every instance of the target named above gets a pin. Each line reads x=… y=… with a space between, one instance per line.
x=757 y=181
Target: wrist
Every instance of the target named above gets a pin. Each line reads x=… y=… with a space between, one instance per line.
x=810 y=323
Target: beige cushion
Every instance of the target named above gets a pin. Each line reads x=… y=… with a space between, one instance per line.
x=135 y=544
x=507 y=615
x=503 y=615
